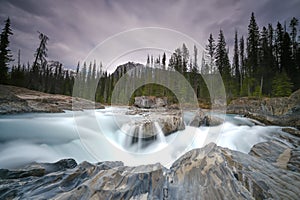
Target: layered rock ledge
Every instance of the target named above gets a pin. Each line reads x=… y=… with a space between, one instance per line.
x=21 y=100
x=282 y=111
x=152 y=122
x=270 y=171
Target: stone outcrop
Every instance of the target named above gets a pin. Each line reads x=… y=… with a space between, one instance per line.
x=20 y=100
x=150 y=102
x=202 y=118
x=283 y=111
x=151 y=123
x=211 y=172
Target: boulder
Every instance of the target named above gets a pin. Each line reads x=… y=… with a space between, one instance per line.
x=151 y=123
x=211 y=172
x=150 y=102
x=202 y=118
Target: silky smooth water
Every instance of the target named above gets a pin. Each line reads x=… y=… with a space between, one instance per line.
x=46 y=137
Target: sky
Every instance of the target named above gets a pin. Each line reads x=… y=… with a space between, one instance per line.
x=76 y=27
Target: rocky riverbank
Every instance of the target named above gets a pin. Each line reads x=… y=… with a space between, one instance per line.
x=270 y=171
x=282 y=111
x=21 y=100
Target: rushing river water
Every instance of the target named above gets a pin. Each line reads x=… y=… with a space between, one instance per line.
x=100 y=135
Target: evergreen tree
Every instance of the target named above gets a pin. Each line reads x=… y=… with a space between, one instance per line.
x=281 y=85
x=148 y=61
x=210 y=48
x=293 y=26
x=163 y=61
x=253 y=47
x=222 y=61
x=266 y=62
x=39 y=62
x=5 y=56
x=204 y=66
x=279 y=47
x=185 y=58
x=242 y=59
x=236 y=62
x=195 y=64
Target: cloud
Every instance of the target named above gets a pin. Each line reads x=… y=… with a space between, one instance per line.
x=76 y=27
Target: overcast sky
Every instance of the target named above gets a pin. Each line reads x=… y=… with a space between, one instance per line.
x=75 y=27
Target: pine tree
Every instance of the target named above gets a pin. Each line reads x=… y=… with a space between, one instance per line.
x=279 y=47
x=222 y=61
x=163 y=60
x=148 y=61
x=293 y=26
x=39 y=61
x=210 y=48
x=195 y=64
x=265 y=62
x=5 y=56
x=242 y=58
x=185 y=58
x=236 y=62
x=281 y=85
x=252 y=47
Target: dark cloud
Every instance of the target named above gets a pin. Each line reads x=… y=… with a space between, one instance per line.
x=75 y=27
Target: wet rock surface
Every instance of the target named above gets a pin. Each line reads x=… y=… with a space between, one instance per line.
x=151 y=123
x=283 y=111
x=270 y=171
x=202 y=118
x=150 y=102
x=20 y=100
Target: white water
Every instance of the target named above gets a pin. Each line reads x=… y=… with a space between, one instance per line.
x=25 y=138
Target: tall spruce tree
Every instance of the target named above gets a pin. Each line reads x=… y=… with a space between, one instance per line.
x=265 y=62
x=279 y=46
x=236 y=62
x=253 y=47
x=242 y=58
x=211 y=48
x=163 y=60
x=5 y=55
x=293 y=26
x=185 y=58
x=222 y=61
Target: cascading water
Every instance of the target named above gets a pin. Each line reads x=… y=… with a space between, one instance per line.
x=42 y=137
x=160 y=135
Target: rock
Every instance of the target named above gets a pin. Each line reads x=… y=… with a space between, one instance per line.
x=173 y=107
x=170 y=123
x=205 y=119
x=292 y=131
x=294 y=161
x=150 y=102
x=282 y=111
x=283 y=151
x=152 y=123
x=222 y=173
x=106 y=180
x=10 y=103
x=21 y=100
x=208 y=173
x=38 y=169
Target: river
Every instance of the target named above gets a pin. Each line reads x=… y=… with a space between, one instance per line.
x=100 y=135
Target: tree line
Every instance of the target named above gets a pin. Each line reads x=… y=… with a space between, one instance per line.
x=266 y=62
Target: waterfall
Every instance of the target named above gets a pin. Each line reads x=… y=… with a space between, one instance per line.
x=160 y=135
x=140 y=139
